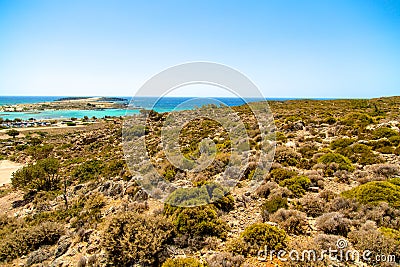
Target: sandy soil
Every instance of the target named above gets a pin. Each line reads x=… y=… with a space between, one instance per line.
x=6 y=203
x=6 y=169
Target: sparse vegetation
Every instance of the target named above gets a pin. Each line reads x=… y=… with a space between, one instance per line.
x=335 y=175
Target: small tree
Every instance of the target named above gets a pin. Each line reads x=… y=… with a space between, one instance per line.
x=13 y=133
x=40 y=176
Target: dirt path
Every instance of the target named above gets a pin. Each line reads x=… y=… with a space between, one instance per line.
x=6 y=169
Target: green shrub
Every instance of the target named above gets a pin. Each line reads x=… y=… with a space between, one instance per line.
x=298 y=185
x=280 y=137
x=376 y=192
x=257 y=237
x=397 y=151
x=199 y=221
x=370 y=158
x=34 y=141
x=182 y=262
x=134 y=131
x=70 y=123
x=40 y=176
x=348 y=151
x=395 y=140
x=391 y=233
x=293 y=118
x=330 y=120
x=395 y=181
x=131 y=238
x=281 y=174
x=88 y=170
x=4 y=191
x=275 y=203
x=344 y=163
x=21 y=147
x=113 y=168
x=169 y=172
x=376 y=144
x=194 y=196
x=341 y=143
x=386 y=150
x=384 y=132
x=225 y=203
x=27 y=239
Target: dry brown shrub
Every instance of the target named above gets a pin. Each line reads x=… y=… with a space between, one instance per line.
x=312 y=205
x=292 y=221
x=333 y=223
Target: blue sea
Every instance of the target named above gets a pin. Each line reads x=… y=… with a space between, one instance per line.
x=165 y=104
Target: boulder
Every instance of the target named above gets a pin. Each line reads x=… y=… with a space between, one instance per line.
x=38 y=256
x=62 y=246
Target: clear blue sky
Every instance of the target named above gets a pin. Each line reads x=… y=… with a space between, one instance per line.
x=289 y=48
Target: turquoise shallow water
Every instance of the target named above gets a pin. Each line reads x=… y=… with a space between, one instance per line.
x=165 y=104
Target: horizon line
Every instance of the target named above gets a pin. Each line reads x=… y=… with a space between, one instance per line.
x=272 y=97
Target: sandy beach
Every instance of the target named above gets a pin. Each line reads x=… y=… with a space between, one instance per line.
x=6 y=169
